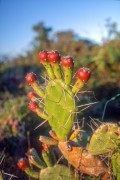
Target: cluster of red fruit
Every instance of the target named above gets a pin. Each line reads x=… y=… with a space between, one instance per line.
x=83 y=74
x=54 y=56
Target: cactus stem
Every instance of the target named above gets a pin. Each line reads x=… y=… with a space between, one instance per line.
x=49 y=69
x=78 y=86
x=68 y=72
x=48 y=140
x=41 y=105
x=56 y=69
x=38 y=90
x=53 y=157
x=39 y=102
x=35 y=159
x=32 y=173
x=41 y=114
x=47 y=158
x=53 y=135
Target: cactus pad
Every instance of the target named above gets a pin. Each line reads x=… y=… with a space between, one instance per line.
x=105 y=139
x=60 y=107
x=116 y=164
x=57 y=172
x=82 y=160
x=58 y=97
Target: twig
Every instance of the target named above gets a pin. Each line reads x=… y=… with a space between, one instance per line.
x=112 y=99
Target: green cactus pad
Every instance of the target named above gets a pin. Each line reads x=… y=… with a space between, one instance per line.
x=115 y=159
x=60 y=107
x=48 y=140
x=35 y=159
x=32 y=173
x=105 y=139
x=57 y=172
x=47 y=158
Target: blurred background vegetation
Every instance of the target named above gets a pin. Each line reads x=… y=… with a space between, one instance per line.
x=16 y=121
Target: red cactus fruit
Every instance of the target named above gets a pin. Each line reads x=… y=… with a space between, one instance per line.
x=67 y=61
x=83 y=74
x=31 y=96
x=53 y=56
x=45 y=146
x=23 y=164
x=43 y=56
x=30 y=78
x=33 y=106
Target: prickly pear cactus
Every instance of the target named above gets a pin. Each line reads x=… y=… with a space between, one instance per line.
x=105 y=139
x=57 y=106
x=47 y=165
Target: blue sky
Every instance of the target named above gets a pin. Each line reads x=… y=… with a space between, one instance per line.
x=84 y=17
